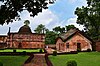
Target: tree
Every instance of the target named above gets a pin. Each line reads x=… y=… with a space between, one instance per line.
x=11 y=8
x=59 y=30
x=69 y=27
x=27 y=22
x=50 y=37
x=62 y=30
x=40 y=29
x=89 y=16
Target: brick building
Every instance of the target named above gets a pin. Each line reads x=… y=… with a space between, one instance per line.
x=98 y=45
x=3 y=39
x=24 y=38
x=73 y=40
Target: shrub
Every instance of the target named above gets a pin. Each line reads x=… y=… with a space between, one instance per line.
x=54 y=53
x=14 y=50
x=72 y=63
x=88 y=50
x=78 y=49
x=1 y=64
x=40 y=50
x=24 y=52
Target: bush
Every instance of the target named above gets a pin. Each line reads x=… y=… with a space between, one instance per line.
x=24 y=52
x=78 y=50
x=14 y=50
x=88 y=50
x=1 y=64
x=40 y=50
x=72 y=63
x=54 y=53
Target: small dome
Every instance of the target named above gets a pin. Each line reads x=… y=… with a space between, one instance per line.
x=25 y=30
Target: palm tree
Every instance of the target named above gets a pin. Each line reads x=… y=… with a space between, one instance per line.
x=40 y=29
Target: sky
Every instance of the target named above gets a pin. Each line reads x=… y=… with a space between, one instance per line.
x=61 y=13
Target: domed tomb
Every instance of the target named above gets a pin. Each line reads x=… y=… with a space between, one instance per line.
x=25 y=30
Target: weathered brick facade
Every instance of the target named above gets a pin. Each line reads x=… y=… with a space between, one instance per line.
x=25 y=39
x=3 y=39
x=73 y=42
x=98 y=45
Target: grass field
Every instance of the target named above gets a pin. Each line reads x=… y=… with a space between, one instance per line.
x=20 y=50
x=82 y=59
x=13 y=60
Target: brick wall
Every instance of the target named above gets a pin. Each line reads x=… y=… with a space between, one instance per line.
x=26 y=41
x=98 y=46
x=77 y=38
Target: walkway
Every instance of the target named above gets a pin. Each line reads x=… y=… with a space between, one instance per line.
x=38 y=60
x=50 y=50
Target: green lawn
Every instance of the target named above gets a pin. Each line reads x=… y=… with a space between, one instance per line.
x=82 y=59
x=13 y=60
x=20 y=50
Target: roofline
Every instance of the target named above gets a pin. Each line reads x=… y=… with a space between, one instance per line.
x=78 y=31
x=60 y=38
x=82 y=33
x=27 y=33
x=69 y=36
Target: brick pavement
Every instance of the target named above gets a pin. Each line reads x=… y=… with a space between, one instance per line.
x=38 y=60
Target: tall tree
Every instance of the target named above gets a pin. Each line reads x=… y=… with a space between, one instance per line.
x=40 y=29
x=27 y=22
x=11 y=8
x=62 y=30
x=59 y=30
x=69 y=27
x=89 y=16
x=50 y=37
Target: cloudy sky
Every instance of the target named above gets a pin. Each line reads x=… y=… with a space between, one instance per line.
x=61 y=13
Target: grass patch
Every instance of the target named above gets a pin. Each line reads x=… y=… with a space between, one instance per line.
x=82 y=59
x=21 y=50
x=27 y=50
x=13 y=60
x=6 y=50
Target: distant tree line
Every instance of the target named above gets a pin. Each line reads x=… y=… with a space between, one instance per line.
x=52 y=35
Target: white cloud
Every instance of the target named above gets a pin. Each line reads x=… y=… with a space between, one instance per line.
x=82 y=3
x=72 y=1
x=46 y=18
x=72 y=21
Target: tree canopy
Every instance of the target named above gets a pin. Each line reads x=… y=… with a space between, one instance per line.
x=40 y=29
x=11 y=8
x=89 y=16
x=59 y=29
x=50 y=36
x=69 y=27
x=27 y=22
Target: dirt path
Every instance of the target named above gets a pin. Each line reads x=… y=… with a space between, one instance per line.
x=38 y=60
